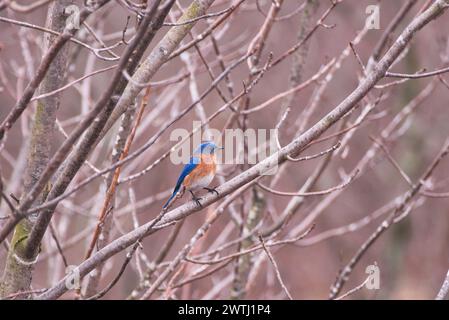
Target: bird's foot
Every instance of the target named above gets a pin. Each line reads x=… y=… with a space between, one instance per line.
x=196 y=199
x=212 y=190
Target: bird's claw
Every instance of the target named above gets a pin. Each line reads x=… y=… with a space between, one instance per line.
x=197 y=201
x=212 y=190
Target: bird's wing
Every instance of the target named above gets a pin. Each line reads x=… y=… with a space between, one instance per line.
x=188 y=168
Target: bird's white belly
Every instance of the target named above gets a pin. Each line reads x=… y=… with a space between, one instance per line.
x=201 y=182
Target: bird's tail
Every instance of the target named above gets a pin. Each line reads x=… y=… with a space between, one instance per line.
x=171 y=197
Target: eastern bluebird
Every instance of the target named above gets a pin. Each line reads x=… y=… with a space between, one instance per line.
x=198 y=173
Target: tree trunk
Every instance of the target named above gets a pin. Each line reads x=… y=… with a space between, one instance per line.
x=19 y=266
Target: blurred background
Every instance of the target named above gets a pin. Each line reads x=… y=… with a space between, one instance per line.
x=411 y=255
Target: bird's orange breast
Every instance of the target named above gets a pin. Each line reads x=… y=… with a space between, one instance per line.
x=206 y=167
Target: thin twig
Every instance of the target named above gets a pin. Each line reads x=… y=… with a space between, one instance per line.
x=276 y=269
x=311 y=193
x=442 y=294
x=353 y=290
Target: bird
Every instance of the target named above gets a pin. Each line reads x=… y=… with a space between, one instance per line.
x=198 y=173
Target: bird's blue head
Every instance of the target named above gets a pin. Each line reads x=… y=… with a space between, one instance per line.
x=207 y=147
